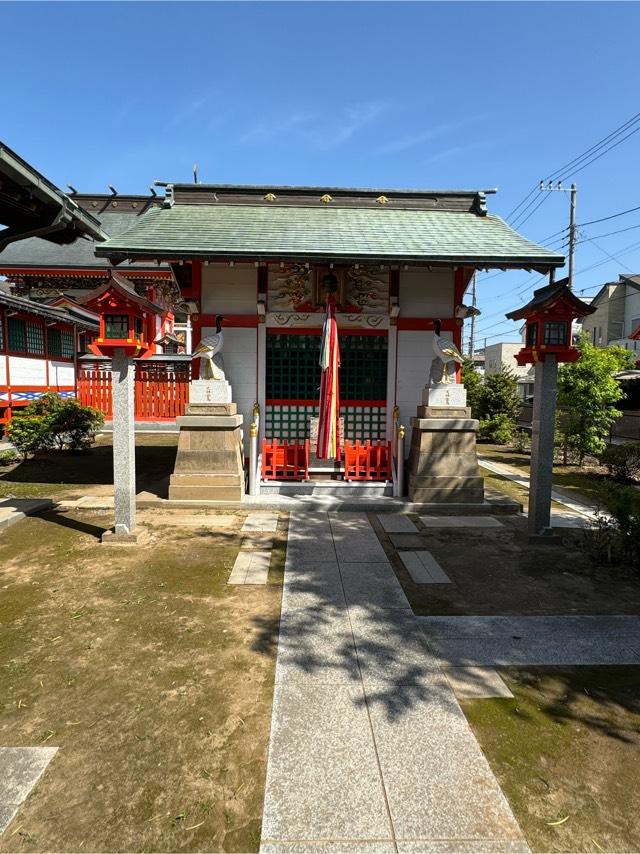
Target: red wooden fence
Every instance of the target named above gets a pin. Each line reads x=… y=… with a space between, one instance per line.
x=367 y=462
x=160 y=394
x=285 y=461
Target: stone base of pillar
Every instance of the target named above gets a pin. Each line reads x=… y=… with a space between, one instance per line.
x=111 y=538
x=443 y=465
x=209 y=465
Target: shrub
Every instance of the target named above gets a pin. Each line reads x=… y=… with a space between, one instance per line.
x=617 y=534
x=622 y=461
x=29 y=433
x=51 y=421
x=499 y=429
x=74 y=425
x=8 y=458
x=521 y=441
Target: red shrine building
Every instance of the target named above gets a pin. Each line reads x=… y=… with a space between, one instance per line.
x=258 y=255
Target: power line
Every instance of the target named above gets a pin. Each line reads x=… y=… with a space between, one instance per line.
x=605 y=218
x=606 y=151
x=614 y=133
x=608 y=233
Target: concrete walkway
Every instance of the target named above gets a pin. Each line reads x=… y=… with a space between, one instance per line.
x=369 y=749
x=557 y=640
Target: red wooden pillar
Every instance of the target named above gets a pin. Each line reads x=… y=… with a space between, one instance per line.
x=195 y=293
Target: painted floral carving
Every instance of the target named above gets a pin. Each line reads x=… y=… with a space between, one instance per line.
x=291 y=289
x=367 y=288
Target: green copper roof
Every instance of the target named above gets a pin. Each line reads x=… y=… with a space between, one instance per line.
x=326 y=233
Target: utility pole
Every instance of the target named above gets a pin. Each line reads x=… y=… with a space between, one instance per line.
x=572 y=233
x=573 y=190
x=472 y=338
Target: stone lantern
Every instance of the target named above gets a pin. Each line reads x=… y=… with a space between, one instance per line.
x=128 y=324
x=548 y=341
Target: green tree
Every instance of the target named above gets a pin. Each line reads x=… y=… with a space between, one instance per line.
x=472 y=381
x=499 y=406
x=588 y=390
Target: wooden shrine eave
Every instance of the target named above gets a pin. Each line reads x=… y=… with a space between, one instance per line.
x=81 y=272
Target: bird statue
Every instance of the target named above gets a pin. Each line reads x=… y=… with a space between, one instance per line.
x=208 y=349
x=445 y=352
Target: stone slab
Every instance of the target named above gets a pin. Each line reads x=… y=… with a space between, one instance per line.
x=322 y=781
x=192 y=520
x=424 y=568
x=471 y=682
x=463 y=846
x=211 y=409
x=267 y=522
x=461 y=522
x=316 y=646
x=250 y=567
x=561 y=650
x=209 y=391
x=431 y=761
x=213 y=422
x=339 y=846
x=373 y=586
x=447 y=424
x=20 y=770
x=446 y=394
x=395 y=523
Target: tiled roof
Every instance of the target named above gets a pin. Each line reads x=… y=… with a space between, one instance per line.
x=48 y=311
x=35 y=252
x=351 y=233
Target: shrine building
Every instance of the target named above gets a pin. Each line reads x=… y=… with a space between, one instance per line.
x=258 y=256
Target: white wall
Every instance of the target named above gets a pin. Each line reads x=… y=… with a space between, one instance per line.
x=415 y=352
x=229 y=290
x=426 y=294
x=632 y=310
x=29 y=372
x=498 y=356
x=3 y=369
x=239 y=353
x=61 y=373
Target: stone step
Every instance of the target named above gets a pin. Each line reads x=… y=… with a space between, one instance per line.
x=328 y=488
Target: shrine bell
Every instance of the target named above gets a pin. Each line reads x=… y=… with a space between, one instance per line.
x=548 y=319
x=128 y=321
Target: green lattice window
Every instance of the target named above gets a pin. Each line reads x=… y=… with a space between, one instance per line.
x=363 y=371
x=35 y=338
x=291 y=422
x=17 y=329
x=67 y=344
x=293 y=372
x=54 y=342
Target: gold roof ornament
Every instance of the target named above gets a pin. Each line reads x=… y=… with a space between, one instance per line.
x=270 y=197
x=326 y=198
x=382 y=200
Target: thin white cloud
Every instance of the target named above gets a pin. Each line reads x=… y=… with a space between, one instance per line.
x=318 y=131
x=414 y=140
x=194 y=106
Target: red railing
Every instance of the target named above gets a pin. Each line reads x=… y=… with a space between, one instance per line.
x=285 y=461
x=160 y=394
x=367 y=462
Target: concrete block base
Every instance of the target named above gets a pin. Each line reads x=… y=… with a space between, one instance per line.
x=110 y=538
x=443 y=465
x=209 y=465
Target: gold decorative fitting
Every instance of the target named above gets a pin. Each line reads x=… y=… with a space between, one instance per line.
x=326 y=198
x=253 y=430
x=270 y=197
x=401 y=432
x=382 y=200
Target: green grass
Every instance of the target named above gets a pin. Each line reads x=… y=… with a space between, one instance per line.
x=565 y=751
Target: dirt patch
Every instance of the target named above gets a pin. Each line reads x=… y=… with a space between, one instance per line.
x=149 y=672
x=495 y=571
x=68 y=474
x=566 y=752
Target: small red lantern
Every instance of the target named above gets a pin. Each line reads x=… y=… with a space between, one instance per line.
x=549 y=316
x=127 y=320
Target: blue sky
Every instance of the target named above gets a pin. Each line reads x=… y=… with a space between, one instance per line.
x=360 y=94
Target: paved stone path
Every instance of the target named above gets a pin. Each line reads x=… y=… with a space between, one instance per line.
x=580 y=513
x=570 y=640
x=12 y=510
x=369 y=751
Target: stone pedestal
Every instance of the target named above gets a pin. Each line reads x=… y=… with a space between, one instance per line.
x=443 y=465
x=209 y=465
